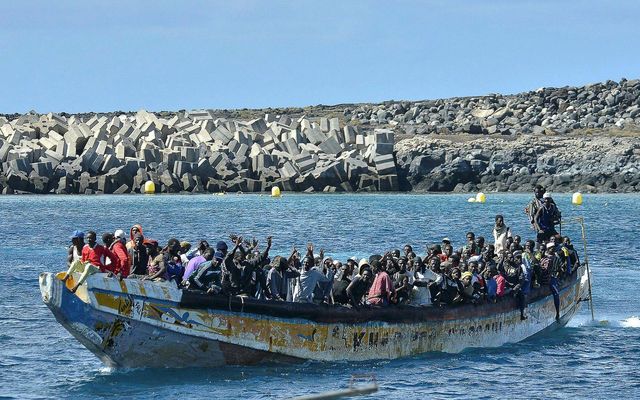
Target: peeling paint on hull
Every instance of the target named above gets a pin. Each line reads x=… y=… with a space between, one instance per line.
x=133 y=323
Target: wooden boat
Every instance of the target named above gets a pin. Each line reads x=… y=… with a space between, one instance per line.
x=134 y=323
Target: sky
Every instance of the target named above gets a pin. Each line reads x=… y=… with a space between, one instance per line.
x=89 y=55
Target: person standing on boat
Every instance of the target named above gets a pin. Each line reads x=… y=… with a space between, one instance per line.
x=382 y=288
x=139 y=256
x=309 y=278
x=534 y=204
x=500 y=234
x=550 y=266
x=546 y=218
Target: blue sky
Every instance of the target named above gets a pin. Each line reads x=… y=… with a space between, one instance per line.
x=92 y=55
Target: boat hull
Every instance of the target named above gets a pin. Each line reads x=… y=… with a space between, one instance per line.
x=133 y=323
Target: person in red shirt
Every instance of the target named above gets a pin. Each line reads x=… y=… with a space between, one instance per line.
x=116 y=245
x=97 y=254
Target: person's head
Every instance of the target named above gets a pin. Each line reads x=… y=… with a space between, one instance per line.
x=448 y=250
x=538 y=191
x=107 y=239
x=547 y=199
x=77 y=238
x=366 y=275
x=351 y=265
x=376 y=266
x=222 y=247
x=337 y=265
x=185 y=247
x=396 y=253
x=208 y=254
x=136 y=229
x=389 y=266
x=407 y=249
x=551 y=248
x=499 y=220
x=566 y=241
x=91 y=238
x=490 y=251
x=455 y=260
x=480 y=241
x=402 y=264
x=455 y=273
x=517 y=240
x=434 y=264
x=473 y=266
x=138 y=240
x=151 y=246
x=327 y=262
x=446 y=241
x=119 y=235
x=437 y=249
x=307 y=263
x=362 y=265
x=203 y=245
x=471 y=237
x=517 y=257
x=529 y=245
x=173 y=246
x=466 y=278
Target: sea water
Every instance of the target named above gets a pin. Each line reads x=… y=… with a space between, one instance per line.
x=586 y=359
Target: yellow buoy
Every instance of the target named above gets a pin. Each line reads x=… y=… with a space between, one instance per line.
x=275 y=191
x=481 y=198
x=149 y=187
x=576 y=199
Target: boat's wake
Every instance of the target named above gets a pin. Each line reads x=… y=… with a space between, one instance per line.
x=616 y=322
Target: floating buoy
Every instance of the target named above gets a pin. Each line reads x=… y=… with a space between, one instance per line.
x=275 y=191
x=149 y=187
x=471 y=200
x=481 y=198
x=576 y=199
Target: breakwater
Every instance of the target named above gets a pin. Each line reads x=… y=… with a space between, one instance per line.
x=565 y=138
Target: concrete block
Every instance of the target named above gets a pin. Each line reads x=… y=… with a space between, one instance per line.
x=305 y=162
x=182 y=167
x=4 y=151
x=315 y=136
x=242 y=138
x=383 y=136
x=254 y=185
x=169 y=157
x=360 y=144
x=331 y=146
x=188 y=183
x=385 y=165
x=289 y=171
x=387 y=183
x=285 y=120
x=334 y=124
x=258 y=125
x=255 y=150
x=122 y=189
x=189 y=154
x=55 y=136
x=324 y=124
x=222 y=135
x=234 y=146
x=132 y=165
x=204 y=136
x=110 y=162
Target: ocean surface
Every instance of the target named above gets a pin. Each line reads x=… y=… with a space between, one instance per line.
x=600 y=359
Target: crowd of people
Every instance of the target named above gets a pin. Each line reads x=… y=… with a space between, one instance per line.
x=476 y=273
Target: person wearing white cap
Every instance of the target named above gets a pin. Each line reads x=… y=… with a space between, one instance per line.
x=546 y=218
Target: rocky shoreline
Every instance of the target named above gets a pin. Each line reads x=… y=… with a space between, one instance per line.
x=567 y=139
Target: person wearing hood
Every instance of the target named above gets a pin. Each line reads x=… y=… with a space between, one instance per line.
x=135 y=230
x=500 y=234
x=139 y=257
